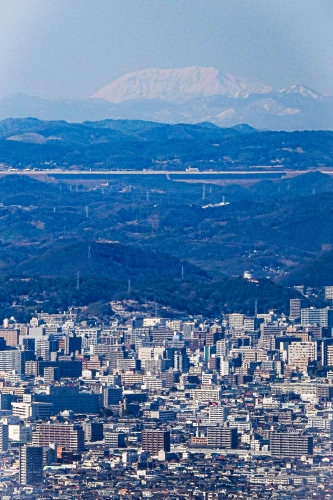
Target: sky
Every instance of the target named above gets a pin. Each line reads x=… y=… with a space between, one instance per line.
x=71 y=48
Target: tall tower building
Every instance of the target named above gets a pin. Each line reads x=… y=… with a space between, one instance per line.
x=31 y=465
x=295 y=309
x=3 y=437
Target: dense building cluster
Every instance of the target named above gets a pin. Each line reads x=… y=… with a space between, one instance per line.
x=146 y=406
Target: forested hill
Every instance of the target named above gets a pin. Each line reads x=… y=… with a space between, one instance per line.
x=126 y=144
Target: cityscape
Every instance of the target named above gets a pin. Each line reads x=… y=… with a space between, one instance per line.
x=166 y=250
x=147 y=406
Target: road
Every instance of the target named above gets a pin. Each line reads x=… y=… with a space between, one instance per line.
x=209 y=173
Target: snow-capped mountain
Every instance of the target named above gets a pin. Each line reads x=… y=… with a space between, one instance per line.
x=187 y=95
x=302 y=90
x=178 y=85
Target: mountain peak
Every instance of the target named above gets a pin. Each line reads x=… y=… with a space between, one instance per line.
x=178 y=85
x=301 y=89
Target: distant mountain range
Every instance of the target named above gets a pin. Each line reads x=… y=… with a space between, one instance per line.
x=186 y=95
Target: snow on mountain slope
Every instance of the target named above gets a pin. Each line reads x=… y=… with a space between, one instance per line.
x=178 y=85
x=301 y=89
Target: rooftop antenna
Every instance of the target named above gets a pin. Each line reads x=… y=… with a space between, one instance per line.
x=78 y=281
x=255 y=308
x=155 y=309
x=204 y=191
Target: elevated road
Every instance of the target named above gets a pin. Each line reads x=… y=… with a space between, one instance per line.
x=208 y=174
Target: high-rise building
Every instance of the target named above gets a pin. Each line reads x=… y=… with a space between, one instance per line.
x=73 y=344
x=295 y=309
x=314 y=316
x=112 y=396
x=89 y=336
x=69 y=436
x=181 y=360
x=302 y=350
x=115 y=439
x=11 y=336
x=326 y=351
x=6 y=400
x=10 y=361
x=51 y=374
x=154 y=441
x=284 y=444
x=67 y=397
x=222 y=437
x=224 y=367
x=221 y=348
x=93 y=431
x=32 y=410
x=236 y=321
x=217 y=414
x=31 y=465
x=3 y=437
x=188 y=329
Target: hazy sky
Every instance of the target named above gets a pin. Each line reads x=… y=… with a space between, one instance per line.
x=71 y=48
